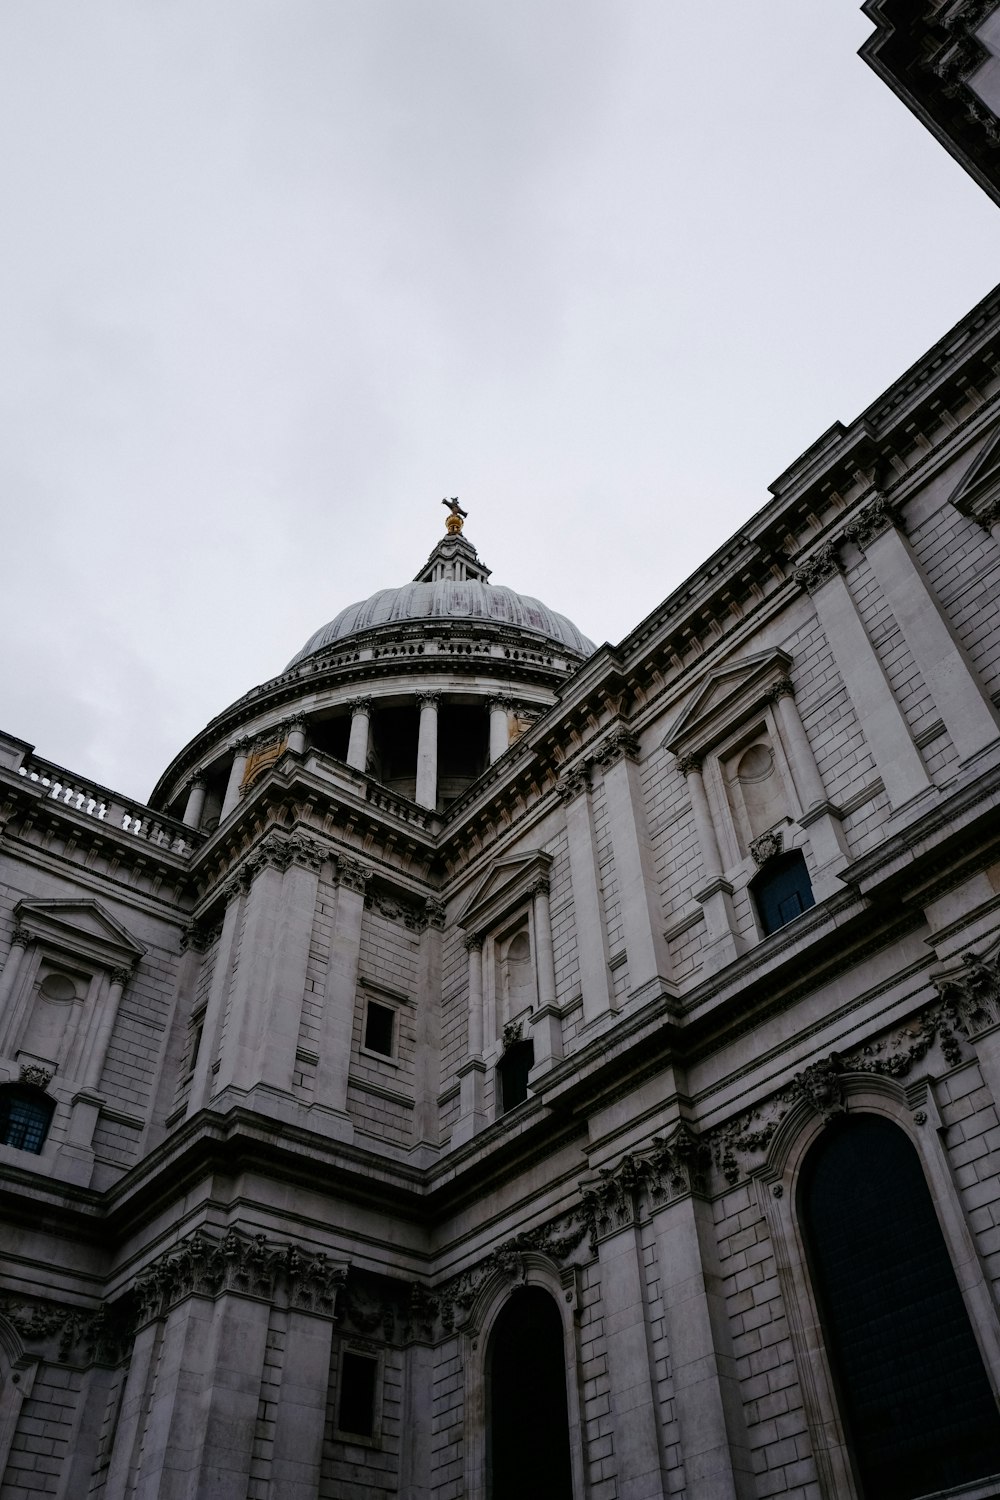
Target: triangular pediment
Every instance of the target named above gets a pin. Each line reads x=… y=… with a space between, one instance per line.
x=979 y=486
x=723 y=697
x=84 y=928
x=505 y=885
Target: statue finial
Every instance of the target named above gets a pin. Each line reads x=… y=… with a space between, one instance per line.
x=453 y=525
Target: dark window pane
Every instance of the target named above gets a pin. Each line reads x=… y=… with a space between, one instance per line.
x=782 y=890
x=25 y=1117
x=357 y=1394
x=378 y=1028
x=513 y=1070
x=916 y=1399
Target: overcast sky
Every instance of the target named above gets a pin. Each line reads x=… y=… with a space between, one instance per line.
x=278 y=276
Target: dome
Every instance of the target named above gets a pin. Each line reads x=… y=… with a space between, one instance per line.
x=452 y=585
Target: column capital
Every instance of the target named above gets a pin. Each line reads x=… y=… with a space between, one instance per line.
x=20 y=938
x=352 y=874
x=359 y=705
x=433 y=913
x=689 y=764
x=198 y=780
x=877 y=516
x=621 y=744
x=428 y=699
x=818 y=569
x=500 y=704
x=120 y=976
x=242 y=744
x=783 y=688
x=539 y=886
x=573 y=782
x=472 y=942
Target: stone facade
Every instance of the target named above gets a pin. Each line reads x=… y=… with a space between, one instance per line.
x=462 y=964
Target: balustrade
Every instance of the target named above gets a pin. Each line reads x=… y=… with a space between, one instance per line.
x=105 y=807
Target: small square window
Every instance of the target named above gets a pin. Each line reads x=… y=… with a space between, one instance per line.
x=379 y=1025
x=356 y=1404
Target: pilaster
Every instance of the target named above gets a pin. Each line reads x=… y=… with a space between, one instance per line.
x=714 y=893
x=590 y=927
x=340 y=996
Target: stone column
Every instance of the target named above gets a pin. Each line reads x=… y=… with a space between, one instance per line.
x=499 y=728
x=357 y=745
x=960 y=698
x=881 y=719
x=707 y=1396
x=427 y=1077
x=635 y=868
x=341 y=997
x=279 y=1034
x=202 y=1079
x=819 y=816
x=300 y=1409
x=545 y=1020
x=637 y=1429
x=427 y=750
x=588 y=914
x=296 y=741
x=714 y=893
x=195 y=804
x=248 y=1001
x=9 y=980
x=236 y=774
x=472 y=1071
x=99 y=1039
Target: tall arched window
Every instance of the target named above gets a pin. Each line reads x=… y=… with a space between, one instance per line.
x=916 y=1401
x=527 y=1453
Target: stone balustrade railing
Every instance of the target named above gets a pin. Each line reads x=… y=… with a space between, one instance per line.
x=108 y=808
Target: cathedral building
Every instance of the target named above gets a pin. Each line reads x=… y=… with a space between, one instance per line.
x=494 y=1066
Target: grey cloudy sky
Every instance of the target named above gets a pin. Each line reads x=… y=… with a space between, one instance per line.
x=278 y=276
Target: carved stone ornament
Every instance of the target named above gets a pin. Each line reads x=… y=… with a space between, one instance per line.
x=434 y=913
x=539 y=887
x=975 y=992
x=877 y=516
x=814 y=571
x=200 y=936
x=512 y=1034
x=621 y=744
x=84 y=1335
x=669 y=1168
x=989 y=514
x=766 y=846
x=120 y=977
x=428 y=699
x=20 y=938
x=36 y=1075
x=352 y=874
x=207 y=1266
x=821 y=1086
x=688 y=763
x=360 y=706
x=472 y=942
x=556 y=1241
x=783 y=688
x=573 y=783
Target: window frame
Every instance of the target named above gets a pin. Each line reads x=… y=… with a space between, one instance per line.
x=360 y=1349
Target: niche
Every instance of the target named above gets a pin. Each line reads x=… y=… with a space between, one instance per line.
x=53 y=1014
x=756 y=789
x=517 y=975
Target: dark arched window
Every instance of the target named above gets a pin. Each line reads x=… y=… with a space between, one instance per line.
x=916 y=1401
x=527 y=1447
x=782 y=890
x=25 y=1117
x=512 y=1070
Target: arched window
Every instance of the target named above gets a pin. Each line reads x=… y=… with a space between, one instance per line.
x=782 y=890
x=917 y=1405
x=527 y=1453
x=25 y=1117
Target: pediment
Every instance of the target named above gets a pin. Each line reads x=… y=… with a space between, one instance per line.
x=979 y=487
x=723 y=697
x=506 y=884
x=83 y=928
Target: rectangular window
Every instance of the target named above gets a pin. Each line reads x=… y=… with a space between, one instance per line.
x=356 y=1407
x=379 y=1027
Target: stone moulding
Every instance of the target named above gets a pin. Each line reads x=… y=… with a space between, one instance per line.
x=669 y=1168
x=249 y=1265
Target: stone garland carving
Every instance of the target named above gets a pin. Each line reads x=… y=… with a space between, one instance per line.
x=412 y=917
x=737 y=1146
x=816 y=570
x=434 y=913
x=36 y=1075
x=670 y=1167
x=366 y=1310
x=512 y=1034
x=447 y=1306
x=767 y=846
x=238 y=1262
x=102 y=1335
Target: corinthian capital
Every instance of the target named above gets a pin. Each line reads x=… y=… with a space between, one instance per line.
x=816 y=570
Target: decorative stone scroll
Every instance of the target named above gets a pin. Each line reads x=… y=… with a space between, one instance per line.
x=573 y=782
x=877 y=516
x=240 y=1263
x=35 y=1075
x=621 y=744
x=352 y=874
